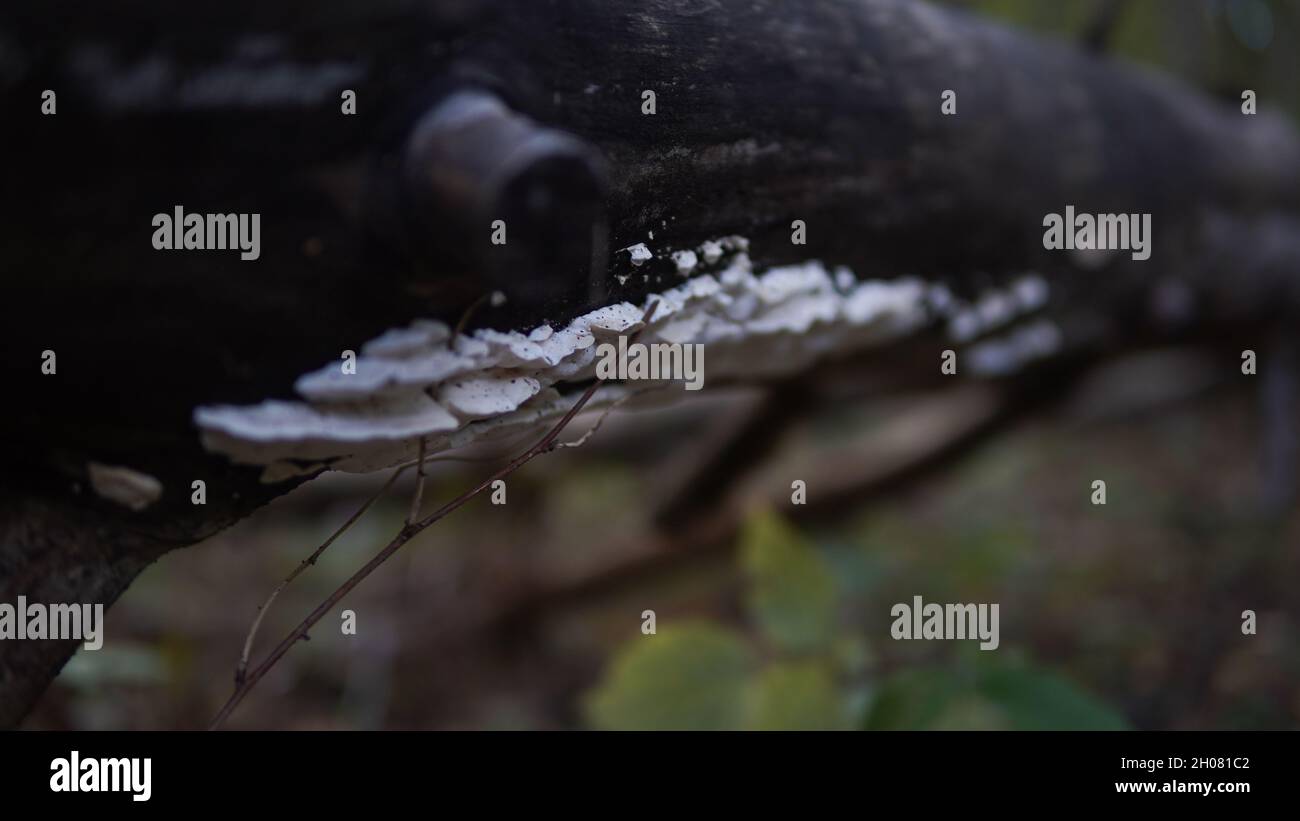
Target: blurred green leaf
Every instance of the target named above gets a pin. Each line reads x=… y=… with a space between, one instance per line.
x=1035 y=699
x=988 y=695
x=796 y=696
x=913 y=700
x=688 y=676
x=792 y=593
x=971 y=713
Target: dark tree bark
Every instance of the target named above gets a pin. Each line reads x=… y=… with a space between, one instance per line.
x=766 y=112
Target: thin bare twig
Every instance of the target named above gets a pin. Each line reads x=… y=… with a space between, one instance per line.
x=405 y=535
x=419 y=485
x=581 y=440
x=242 y=669
x=466 y=316
x=546 y=444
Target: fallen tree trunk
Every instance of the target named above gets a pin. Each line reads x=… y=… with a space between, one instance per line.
x=764 y=113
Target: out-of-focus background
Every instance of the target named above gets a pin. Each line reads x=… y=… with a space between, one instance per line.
x=770 y=615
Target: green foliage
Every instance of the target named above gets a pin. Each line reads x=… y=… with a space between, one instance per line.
x=697 y=676
x=688 y=676
x=987 y=694
x=801 y=669
x=796 y=696
x=792 y=596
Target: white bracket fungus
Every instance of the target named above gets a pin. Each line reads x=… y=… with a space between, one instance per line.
x=129 y=488
x=419 y=382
